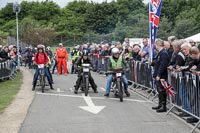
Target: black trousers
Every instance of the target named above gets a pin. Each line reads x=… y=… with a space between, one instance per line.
x=162 y=94
x=55 y=65
x=91 y=81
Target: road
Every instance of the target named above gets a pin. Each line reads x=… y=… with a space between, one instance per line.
x=62 y=111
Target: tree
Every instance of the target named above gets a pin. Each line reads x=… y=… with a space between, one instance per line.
x=33 y=33
x=101 y=18
x=184 y=28
x=164 y=29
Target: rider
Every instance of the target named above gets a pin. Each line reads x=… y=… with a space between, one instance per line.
x=84 y=59
x=41 y=58
x=75 y=55
x=116 y=61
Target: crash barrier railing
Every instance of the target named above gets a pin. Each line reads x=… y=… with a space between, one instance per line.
x=7 y=70
x=187 y=93
x=186 y=85
x=100 y=63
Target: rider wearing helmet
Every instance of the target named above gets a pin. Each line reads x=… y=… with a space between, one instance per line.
x=75 y=54
x=41 y=58
x=49 y=52
x=84 y=59
x=116 y=61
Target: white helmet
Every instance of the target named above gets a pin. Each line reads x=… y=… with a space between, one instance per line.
x=48 y=48
x=115 y=51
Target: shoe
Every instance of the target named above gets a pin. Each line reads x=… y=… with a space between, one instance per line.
x=33 y=88
x=157 y=107
x=162 y=109
x=106 y=94
x=183 y=114
x=51 y=87
x=192 y=120
x=95 y=91
x=75 y=91
x=127 y=93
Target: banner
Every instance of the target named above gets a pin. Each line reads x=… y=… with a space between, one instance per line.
x=154 y=18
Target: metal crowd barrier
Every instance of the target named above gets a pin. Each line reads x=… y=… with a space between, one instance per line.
x=140 y=74
x=186 y=85
x=100 y=63
x=7 y=70
x=187 y=97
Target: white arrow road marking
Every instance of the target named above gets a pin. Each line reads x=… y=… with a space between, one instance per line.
x=91 y=107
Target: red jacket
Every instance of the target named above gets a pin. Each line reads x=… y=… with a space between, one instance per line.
x=41 y=58
x=61 y=53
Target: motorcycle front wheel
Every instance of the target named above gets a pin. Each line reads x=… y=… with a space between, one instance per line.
x=86 y=86
x=120 y=93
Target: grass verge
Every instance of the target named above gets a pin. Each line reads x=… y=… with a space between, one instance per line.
x=8 y=90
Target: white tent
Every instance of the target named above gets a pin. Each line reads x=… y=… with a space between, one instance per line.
x=195 y=38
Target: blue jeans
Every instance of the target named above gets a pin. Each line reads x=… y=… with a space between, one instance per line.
x=109 y=82
x=37 y=73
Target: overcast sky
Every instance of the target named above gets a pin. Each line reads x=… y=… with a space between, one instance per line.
x=61 y=3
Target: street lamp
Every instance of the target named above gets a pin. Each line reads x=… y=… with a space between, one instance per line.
x=16 y=10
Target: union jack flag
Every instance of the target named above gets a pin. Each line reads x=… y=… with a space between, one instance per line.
x=168 y=88
x=154 y=18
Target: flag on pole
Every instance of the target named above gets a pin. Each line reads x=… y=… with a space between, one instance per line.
x=154 y=18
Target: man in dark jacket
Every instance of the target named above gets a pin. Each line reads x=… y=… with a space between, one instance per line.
x=169 y=49
x=84 y=59
x=178 y=58
x=160 y=74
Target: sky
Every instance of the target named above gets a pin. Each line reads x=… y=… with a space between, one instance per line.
x=61 y=3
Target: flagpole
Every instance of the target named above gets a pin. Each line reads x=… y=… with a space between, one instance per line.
x=150 y=48
x=150 y=34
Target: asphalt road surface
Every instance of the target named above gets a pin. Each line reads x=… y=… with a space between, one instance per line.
x=62 y=111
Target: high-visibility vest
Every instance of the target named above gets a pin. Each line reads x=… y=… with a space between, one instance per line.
x=75 y=56
x=117 y=64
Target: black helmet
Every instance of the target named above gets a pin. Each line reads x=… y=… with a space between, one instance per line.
x=85 y=52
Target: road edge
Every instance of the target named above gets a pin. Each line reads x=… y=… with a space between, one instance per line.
x=14 y=115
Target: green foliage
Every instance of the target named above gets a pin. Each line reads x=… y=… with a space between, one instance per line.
x=164 y=29
x=184 y=28
x=101 y=18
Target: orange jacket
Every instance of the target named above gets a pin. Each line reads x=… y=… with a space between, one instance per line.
x=61 y=53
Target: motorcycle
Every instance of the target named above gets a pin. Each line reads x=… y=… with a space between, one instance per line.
x=42 y=76
x=85 y=78
x=117 y=84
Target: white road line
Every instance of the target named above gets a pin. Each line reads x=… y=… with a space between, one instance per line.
x=141 y=96
x=58 y=89
x=71 y=89
x=98 y=98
